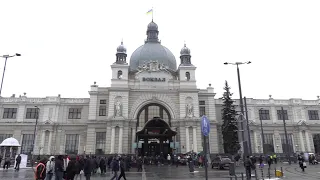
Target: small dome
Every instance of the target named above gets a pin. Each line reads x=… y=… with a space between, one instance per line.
x=121 y=48
x=152 y=26
x=185 y=50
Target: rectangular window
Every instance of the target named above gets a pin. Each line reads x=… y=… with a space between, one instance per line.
x=202 y=108
x=286 y=148
x=9 y=113
x=72 y=141
x=281 y=115
x=32 y=113
x=27 y=143
x=100 y=142
x=74 y=113
x=313 y=115
x=264 y=114
x=102 y=111
x=103 y=101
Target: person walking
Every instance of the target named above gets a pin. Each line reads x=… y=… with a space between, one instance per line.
x=79 y=168
x=58 y=168
x=40 y=172
x=261 y=161
x=6 y=163
x=50 y=168
x=139 y=164
x=71 y=168
x=122 y=170
x=87 y=168
x=248 y=166
x=169 y=159
x=18 y=161
x=302 y=163
x=269 y=160
x=102 y=165
x=115 y=168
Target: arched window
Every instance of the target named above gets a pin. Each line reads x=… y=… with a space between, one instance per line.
x=187 y=76
x=152 y=110
x=119 y=74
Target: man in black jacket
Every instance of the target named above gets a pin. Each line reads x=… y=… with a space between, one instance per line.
x=58 y=168
x=115 y=168
x=18 y=161
x=87 y=168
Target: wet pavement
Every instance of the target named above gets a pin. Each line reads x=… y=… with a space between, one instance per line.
x=292 y=172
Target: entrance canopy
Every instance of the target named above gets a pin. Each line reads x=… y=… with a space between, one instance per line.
x=156 y=128
x=10 y=142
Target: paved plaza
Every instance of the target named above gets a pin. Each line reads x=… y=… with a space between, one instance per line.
x=292 y=172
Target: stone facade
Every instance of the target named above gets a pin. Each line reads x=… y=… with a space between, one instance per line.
x=107 y=122
x=55 y=123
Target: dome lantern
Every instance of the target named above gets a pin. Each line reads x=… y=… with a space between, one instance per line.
x=185 y=56
x=152 y=32
x=121 y=56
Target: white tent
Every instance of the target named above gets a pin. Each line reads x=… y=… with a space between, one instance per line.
x=10 y=142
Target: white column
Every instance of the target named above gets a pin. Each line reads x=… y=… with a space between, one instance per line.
x=187 y=140
x=256 y=145
x=308 y=142
x=302 y=148
x=79 y=144
x=50 y=142
x=120 y=140
x=133 y=141
x=113 y=134
x=195 y=145
x=43 y=137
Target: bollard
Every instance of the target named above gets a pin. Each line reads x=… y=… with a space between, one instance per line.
x=281 y=172
x=262 y=176
x=242 y=177
x=275 y=172
x=256 y=174
x=269 y=175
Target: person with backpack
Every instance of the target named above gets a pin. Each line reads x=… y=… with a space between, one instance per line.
x=122 y=170
x=40 y=172
x=50 y=168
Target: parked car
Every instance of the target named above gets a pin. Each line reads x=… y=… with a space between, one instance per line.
x=220 y=162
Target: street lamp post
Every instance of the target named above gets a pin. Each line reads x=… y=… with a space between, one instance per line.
x=248 y=128
x=35 y=130
x=262 y=135
x=4 y=69
x=286 y=135
x=244 y=143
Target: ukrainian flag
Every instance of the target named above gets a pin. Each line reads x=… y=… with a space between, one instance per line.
x=150 y=11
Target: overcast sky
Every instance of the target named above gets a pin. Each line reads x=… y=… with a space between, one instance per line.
x=66 y=45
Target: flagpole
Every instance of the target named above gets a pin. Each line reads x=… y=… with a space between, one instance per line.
x=152 y=14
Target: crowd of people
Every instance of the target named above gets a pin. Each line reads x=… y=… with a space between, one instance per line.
x=75 y=167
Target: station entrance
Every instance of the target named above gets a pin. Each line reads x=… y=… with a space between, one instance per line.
x=155 y=138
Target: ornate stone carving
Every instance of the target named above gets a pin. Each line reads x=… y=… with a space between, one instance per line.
x=118 y=109
x=152 y=66
x=189 y=107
